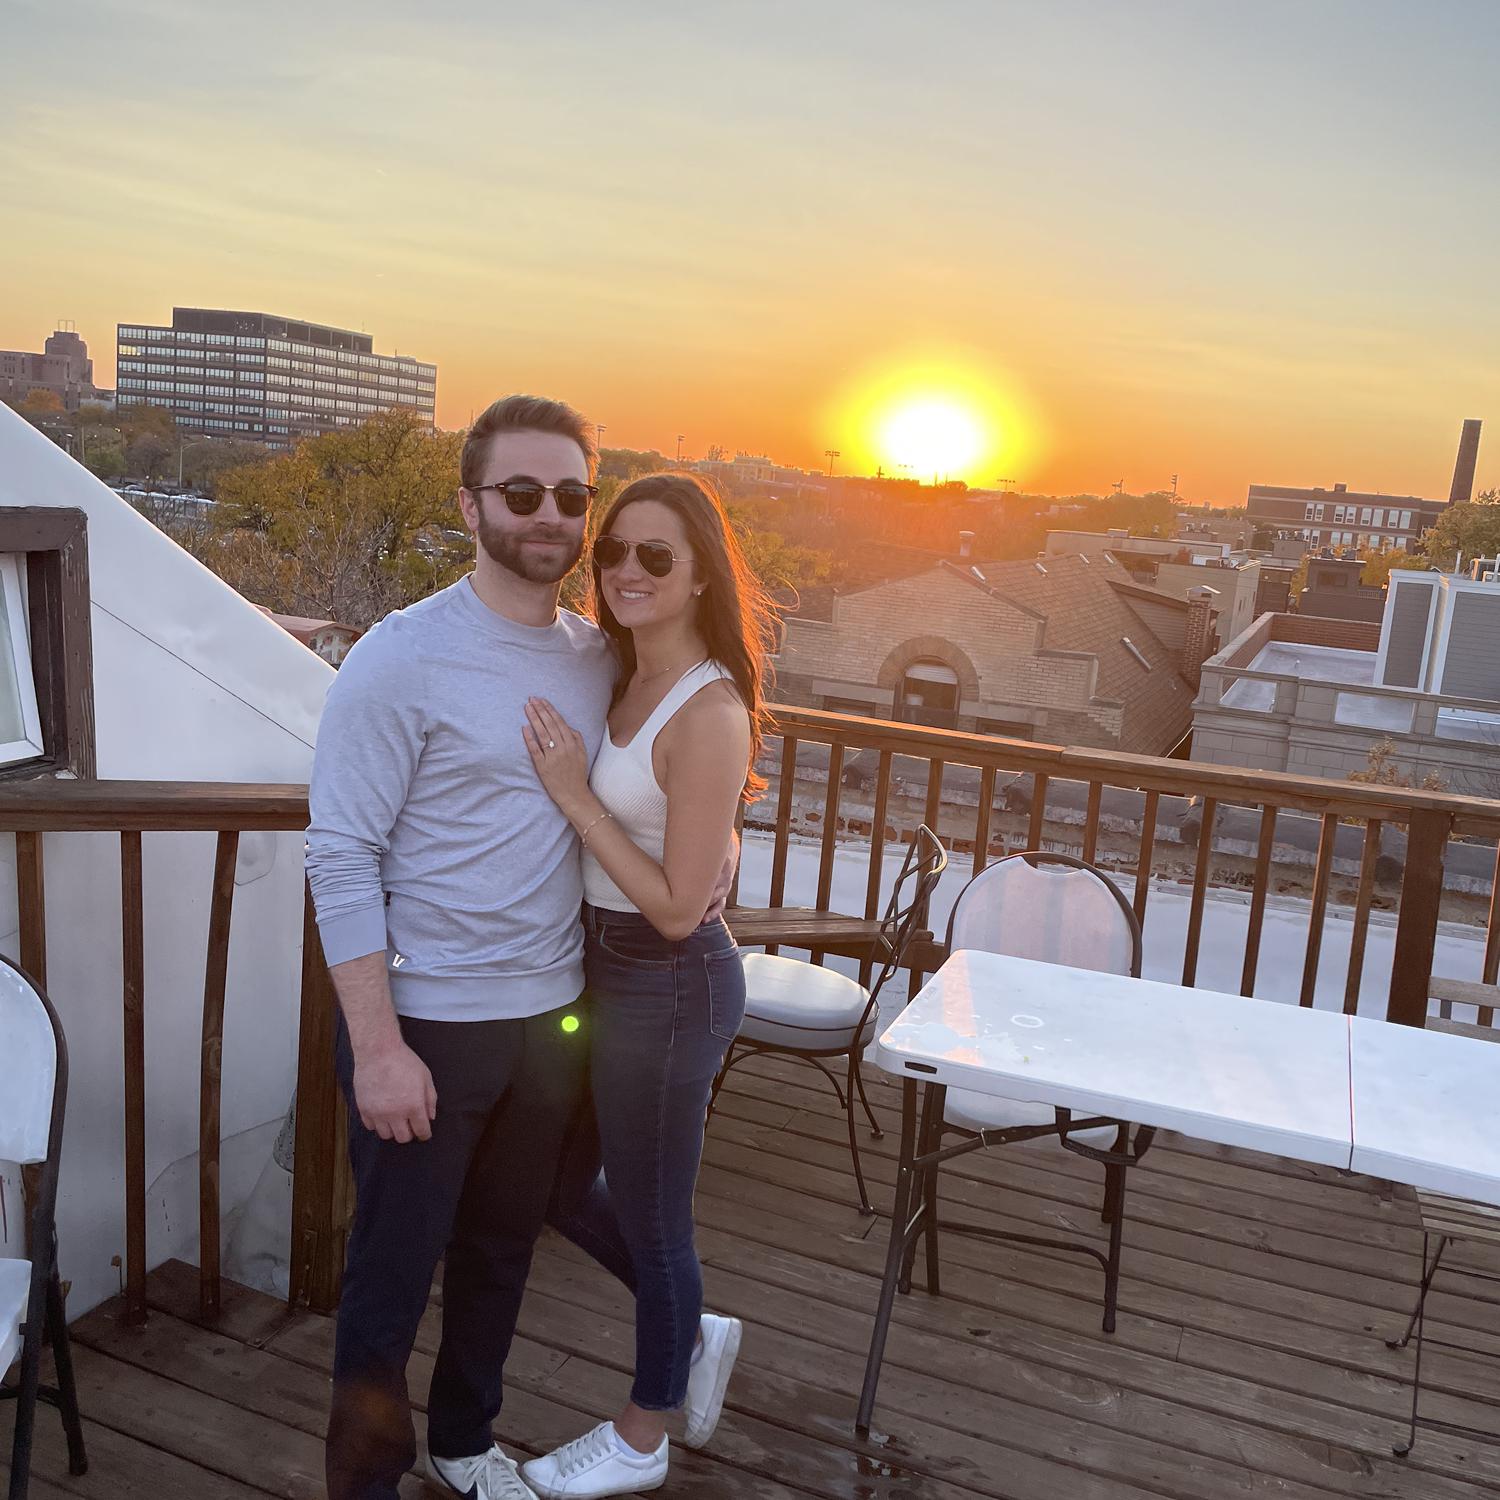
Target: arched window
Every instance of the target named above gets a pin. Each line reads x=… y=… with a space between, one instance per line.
x=929 y=695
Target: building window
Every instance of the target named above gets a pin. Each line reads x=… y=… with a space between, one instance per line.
x=20 y=722
x=46 y=650
x=928 y=695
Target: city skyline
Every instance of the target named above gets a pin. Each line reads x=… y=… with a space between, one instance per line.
x=1241 y=247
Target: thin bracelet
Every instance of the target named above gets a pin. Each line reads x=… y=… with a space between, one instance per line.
x=584 y=836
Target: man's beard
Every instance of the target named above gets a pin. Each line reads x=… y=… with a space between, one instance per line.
x=509 y=550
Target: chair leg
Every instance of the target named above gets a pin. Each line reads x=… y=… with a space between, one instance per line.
x=1114 y=1201
x=67 y=1390
x=27 y=1385
x=847 y=1100
x=859 y=1082
x=719 y=1082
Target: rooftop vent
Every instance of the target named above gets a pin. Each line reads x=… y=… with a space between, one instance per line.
x=1135 y=651
x=1109 y=557
x=980 y=576
x=1084 y=557
x=1040 y=569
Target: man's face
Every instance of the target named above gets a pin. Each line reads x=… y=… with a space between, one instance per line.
x=544 y=546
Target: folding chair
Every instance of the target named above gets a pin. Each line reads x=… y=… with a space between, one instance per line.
x=798 y=1009
x=1055 y=909
x=33 y=1097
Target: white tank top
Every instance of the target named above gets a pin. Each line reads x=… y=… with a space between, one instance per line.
x=625 y=782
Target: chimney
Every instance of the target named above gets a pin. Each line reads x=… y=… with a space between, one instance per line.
x=965 y=543
x=1199 y=638
x=1463 y=470
x=1341 y=489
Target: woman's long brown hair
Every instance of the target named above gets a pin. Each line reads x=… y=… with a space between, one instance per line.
x=734 y=613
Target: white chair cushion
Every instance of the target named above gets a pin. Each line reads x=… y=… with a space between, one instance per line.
x=789 y=1003
x=972 y=1111
x=15 y=1289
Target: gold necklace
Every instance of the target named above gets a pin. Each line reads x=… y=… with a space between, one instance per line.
x=662 y=672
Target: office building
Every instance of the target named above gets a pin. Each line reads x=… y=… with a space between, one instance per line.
x=265 y=379
x=63 y=368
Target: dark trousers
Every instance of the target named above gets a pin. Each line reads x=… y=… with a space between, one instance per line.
x=475 y=1197
x=662 y=1016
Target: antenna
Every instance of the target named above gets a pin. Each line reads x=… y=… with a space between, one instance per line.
x=1119 y=485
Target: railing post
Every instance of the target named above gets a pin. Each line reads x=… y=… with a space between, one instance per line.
x=320 y=1174
x=1416 y=928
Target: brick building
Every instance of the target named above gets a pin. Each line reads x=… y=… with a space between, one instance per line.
x=1066 y=650
x=62 y=369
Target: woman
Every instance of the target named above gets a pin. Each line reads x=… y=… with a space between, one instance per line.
x=673 y=591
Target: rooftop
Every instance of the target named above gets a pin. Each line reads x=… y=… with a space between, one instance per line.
x=1388 y=709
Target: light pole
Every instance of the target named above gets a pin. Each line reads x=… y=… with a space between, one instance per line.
x=680 y=436
x=599 y=430
x=830 y=454
x=182 y=448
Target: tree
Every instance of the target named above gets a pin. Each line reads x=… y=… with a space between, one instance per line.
x=347 y=526
x=40 y=407
x=1472 y=527
x=1380 y=565
x=147 y=455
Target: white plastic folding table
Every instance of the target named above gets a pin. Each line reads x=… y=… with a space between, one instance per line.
x=1395 y=1102
x=1238 y=1071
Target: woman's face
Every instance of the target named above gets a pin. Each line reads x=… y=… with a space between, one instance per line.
x=636 y=597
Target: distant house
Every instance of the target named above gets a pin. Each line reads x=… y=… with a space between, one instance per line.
x=328 y=638
x=1065 y=650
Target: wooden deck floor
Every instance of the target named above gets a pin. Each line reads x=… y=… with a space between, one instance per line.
x=1249 y=1359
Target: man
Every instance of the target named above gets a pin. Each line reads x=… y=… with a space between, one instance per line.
x=447 y=888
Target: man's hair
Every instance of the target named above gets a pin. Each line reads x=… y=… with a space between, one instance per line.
x=523 y=414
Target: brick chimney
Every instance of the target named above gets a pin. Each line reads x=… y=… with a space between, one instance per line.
x=965 y=543
x=1200 y=638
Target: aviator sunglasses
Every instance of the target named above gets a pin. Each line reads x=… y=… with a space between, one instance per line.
x=655 y=558
x=524 y=496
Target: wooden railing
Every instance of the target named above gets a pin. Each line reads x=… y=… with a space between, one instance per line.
x=1432 y=821
x=320 y=1209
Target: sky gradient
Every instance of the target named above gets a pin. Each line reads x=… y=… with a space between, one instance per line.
x=1250 y=242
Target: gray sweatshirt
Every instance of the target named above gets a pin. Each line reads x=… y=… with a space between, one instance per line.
x=431 y=838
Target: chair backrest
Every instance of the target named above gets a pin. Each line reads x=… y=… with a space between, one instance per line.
x=33 y=1070
x=923 y=867
x=1050 y=907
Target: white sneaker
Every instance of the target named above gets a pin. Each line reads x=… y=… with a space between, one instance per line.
x=593 y=1466
x=486 y=1476
x=708 y=1379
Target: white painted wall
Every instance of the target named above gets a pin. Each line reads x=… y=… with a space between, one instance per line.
x=192 y=683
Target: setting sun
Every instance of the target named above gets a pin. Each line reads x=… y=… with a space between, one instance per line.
x=937 y=415
x=931 y=437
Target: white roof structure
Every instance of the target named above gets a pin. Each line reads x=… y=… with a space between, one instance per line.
x=191 y=683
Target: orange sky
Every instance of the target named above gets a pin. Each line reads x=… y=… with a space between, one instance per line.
x=1235 y=243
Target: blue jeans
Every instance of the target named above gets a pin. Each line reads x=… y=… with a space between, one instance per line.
x=662 y=1016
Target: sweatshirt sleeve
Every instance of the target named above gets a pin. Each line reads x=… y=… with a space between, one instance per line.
x=369 y=743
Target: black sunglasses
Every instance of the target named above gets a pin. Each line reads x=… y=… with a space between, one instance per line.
x=524 y=496
x=655 y=558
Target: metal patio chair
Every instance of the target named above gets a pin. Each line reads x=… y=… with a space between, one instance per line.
x=1056 y=909
x=33 y=1097
x=800 y=1010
